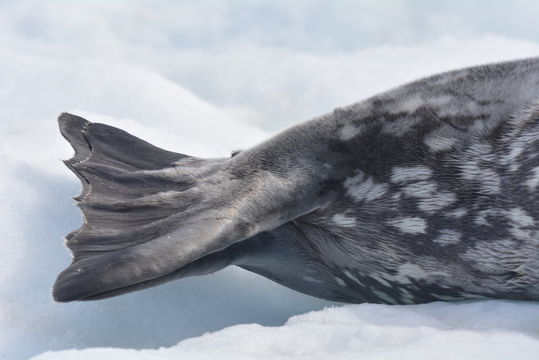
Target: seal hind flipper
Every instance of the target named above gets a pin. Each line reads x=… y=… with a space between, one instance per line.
x=130 y=209
x=115 y=200
x=149 y=212
x=425 y=192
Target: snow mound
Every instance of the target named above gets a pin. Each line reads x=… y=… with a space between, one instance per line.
x=475 y=330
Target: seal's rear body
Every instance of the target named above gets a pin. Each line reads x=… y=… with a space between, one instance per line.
x=427 y=192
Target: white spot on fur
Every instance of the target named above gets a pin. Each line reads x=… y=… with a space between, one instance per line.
x=383 y=296
x=409 y=225
x=352 y=277
x=436 y=202
x=520 y=139
x=493 y=257
x=408 y=105
x=408 y=271
x=468 y=108
x=442 y=138
x=363 y=188
x=475 y=167
x=412 y=271
x=520 y=217
x=448 y=237
x=437 y=143
x=404 y=174
x=344 y=221
x=457 y=213
x=349 y=132
x=533 y=181
x=340 y=281
x=400 y=126
x=431 y=200
x=490 y=181
x=420 y=189
x=380 y=280
x=439 y=100
x=517 y=148
x=311 y=279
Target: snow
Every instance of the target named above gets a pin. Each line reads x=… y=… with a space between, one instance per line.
x=205 y=78
x=475 y=330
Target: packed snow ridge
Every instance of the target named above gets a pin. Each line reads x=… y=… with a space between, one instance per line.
x=470 y=330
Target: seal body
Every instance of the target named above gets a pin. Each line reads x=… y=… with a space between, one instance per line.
x=426 y=192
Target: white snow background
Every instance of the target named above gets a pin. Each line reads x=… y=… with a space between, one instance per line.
x=205 y=78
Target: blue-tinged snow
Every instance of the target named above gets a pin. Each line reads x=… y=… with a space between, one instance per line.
x=475 y=330
x=205 y=78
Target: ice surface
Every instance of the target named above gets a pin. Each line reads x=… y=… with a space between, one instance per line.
x=475 y=330
x=206 y=78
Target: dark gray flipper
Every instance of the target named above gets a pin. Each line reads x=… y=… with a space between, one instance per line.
x=111 y=165
x=139 y=224
x=150 y=212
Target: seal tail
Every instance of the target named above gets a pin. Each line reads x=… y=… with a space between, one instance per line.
x=152 y=215
x=132 y=199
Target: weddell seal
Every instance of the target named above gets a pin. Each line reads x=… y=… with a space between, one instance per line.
x=426 y=192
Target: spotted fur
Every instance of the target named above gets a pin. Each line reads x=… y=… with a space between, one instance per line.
x=426 y=192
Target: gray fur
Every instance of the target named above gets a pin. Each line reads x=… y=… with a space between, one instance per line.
x=426 y=192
